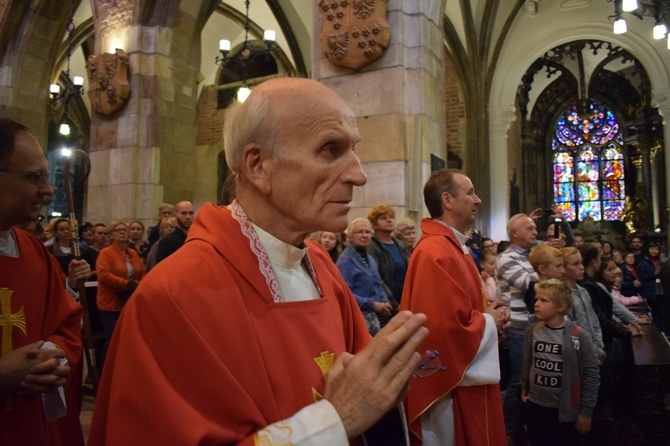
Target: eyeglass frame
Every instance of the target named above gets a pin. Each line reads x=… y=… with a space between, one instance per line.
x=430 y=370
x=39 y=177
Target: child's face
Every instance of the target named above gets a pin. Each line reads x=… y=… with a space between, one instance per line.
x=629 y=259
x=555 y=269
x=545 y=308
x=609 y=273
x=618 y=278
x=653 y=251
x=489 y=265
x=574 y=270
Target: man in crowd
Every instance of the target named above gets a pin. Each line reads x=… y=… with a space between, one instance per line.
x=41 y=335
x=515 y=273
x=213 y=347
x=90 y=254
x=164 y=210
x=635 y=246
x=462 y=404
x=175 y=240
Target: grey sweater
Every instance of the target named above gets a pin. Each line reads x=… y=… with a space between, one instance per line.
x=581 y=376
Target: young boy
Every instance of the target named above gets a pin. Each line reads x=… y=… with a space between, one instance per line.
x=547 y=262
x=582 y=310
x=560 y=375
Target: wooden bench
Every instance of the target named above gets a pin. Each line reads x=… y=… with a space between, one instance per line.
x=651 y=354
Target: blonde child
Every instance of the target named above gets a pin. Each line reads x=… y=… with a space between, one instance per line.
x=560 y=374
x=489 y=276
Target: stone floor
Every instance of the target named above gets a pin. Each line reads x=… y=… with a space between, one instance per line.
x=86 y=415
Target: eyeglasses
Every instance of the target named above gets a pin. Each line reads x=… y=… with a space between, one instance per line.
x=39 y=177
x=430 y=364
x=361 y=231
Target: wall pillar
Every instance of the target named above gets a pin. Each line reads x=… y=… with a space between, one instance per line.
x=400 y=104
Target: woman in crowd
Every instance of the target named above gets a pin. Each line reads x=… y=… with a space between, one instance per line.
x=617 y=256
x=655 y=303
x=136 y=238
x=167 y=225
x=61 y=247
x=331 y=242
x=119 y=270
x=607 y=250
x=638 y=279
x=359 y=271
x=389 y=252
x=405 y=231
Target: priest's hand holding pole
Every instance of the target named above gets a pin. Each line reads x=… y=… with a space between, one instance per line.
x=365 y=386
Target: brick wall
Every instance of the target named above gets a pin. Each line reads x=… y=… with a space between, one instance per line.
x=210 y=118
x=115 y=14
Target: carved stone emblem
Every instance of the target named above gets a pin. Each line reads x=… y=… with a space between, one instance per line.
x=108 y=81
x=354 y=33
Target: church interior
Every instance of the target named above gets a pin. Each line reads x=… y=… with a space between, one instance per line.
x=539 y=102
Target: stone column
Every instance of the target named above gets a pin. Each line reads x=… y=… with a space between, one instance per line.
x=400 y=104
x=500 y=120
x=661 y=100
x=144 y=154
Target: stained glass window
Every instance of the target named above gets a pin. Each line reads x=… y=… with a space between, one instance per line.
x=588 y=164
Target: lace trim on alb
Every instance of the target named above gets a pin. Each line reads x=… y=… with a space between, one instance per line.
x=257 y=248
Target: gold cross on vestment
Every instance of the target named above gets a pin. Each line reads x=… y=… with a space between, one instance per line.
x=9 y=320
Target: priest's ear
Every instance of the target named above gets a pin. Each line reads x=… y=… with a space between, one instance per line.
x=255 y=166
x=447 y=201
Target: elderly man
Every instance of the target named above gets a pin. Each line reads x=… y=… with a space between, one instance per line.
x=41 y=336
x=515 y=273
x=248 y=334
x=461 y=405
x=164 y=210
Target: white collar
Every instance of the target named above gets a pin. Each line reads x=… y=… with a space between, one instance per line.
x=280 y=253
x=8 y=246
x=462 y=238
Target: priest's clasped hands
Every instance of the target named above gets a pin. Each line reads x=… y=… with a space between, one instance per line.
x=365 y=386
x=31 y=369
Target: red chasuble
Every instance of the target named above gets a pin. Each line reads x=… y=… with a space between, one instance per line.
x=203 y=354
x=35 y=306
x=443 y=282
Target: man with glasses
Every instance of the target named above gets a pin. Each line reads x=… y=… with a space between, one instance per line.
x=248 y=334
x=40 y=322
x=462 y=405
x=164 y=210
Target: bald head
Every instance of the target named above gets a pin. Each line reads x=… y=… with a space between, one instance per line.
x=184 y=212
x=292 y=144
x=273 y=107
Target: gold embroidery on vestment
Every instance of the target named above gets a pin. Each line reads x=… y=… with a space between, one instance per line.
x=325 y=362
x=276 y=434
x=9 y=319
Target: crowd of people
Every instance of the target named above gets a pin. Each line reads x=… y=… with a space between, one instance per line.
x=266 y=322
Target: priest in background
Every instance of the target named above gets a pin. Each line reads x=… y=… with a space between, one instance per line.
x=461 y=406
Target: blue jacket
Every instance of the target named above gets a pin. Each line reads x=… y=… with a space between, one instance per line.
x=363 y=281
x=646 y=273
